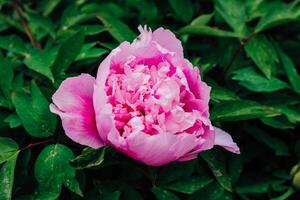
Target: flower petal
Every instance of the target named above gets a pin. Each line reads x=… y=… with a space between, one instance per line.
x=225 y=140
x=160 y=149
x=73 y=102
x=168 y=40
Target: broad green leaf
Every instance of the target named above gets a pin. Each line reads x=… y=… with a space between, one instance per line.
x=277 y=145
x=219 y=94
x=72 y=16
x=52 y=170
x=254 y=188
x=278 y=15
x=263 y=54
x=251 y=79
x=252 y=8
x=40 y=23
x=277 y=122
x=33 y=110
x=212 y=191
x=233 y=12
x=13 y=120
x=92 y=29
x=291 y=113
x=202 y=20
x=8 y=20
x=148 y=15
x=88 y=51
x=235 y=168
x=68 y=52
x=48 y=6
x=13 y=44
x=7 y=177
x=41 y=61
x=113 y=196
x=4 y=102
x=120 y=31
x=183 y=9
x=6 y=71
x=175 y=171
x=206 y=30
x=189 y=185
x=89 y=157
x=288 y=193
x=290 y=70
x=241 y=110
x=162 y=194
x=8 y=149
x=108 y=8
x=218 y=168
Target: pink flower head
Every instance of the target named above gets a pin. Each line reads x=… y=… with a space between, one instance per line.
x=147 y=101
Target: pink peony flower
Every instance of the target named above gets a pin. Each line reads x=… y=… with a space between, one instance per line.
x=147 y=101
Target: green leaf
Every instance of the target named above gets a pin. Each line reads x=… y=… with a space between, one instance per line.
x=41 y=61
x=68 y=52
x=88 y=52
x=202 y=19
x=13 y=120
x=38 y=23
x=7 y=177
x=251 y=79
x=8 y=149
x=6 y=71
x=286 y=194
x=233 y=12
x=219 y=94
x=13 y=44
x=120 y=31
x=290 y=69
x=277 y=122
x=291 y=113
x=52 y=170
x=205 y=30
x=241 y=110
x=263 y=54
x=162 y=194
x=212 y=191
x=33 y=110
x=278 y=15
x=183 y=9
x=175 y=171
x=189 y=185
x=93 y=29
x=48 y=6
x=108 y=8
x=254 y=188
x=218 y=168
x=72 y=16
x=113 y=196
x=277 y=145
x=89 y=157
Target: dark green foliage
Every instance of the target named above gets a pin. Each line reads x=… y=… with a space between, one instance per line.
x=247 y=51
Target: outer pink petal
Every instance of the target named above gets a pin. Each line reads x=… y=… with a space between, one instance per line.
x=224 y=139
x=168 y=40
x=103 y=111
x=156 y=150
x=200 y=89
x=74 y=104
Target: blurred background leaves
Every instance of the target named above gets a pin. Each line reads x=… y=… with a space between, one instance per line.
x=247 y=51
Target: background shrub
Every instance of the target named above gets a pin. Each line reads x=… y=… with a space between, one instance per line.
x=247 y=50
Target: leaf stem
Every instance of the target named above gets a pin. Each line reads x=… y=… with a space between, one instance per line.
x=34 y=43
x=31 y=145
x=237 y=52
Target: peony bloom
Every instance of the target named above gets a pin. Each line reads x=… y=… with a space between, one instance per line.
x=147 y=101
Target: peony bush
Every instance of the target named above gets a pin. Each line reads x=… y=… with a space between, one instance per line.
x=177 y=99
